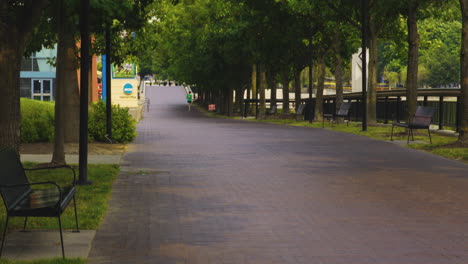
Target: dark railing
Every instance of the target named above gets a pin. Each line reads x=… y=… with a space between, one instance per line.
x=391 y=105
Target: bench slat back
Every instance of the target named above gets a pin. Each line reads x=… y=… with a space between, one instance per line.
x=12 y=172
x=344 y=109
x=423 y=116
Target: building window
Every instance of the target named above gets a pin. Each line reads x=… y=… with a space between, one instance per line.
x=42 y=89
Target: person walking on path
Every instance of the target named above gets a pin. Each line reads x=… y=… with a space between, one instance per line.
x=189 y=99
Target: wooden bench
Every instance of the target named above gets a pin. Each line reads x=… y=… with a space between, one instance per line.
x=342 y=112
x=422 y=119
x=47 y=199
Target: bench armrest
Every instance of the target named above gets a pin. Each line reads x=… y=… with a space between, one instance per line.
x=56 y=167
x=35 y=183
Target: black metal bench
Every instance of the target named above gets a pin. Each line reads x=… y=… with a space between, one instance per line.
x=422 y=119
x=342 y=112
x=21 y=200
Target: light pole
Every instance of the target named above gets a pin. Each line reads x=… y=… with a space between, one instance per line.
x=84 y=84
x=364 y=63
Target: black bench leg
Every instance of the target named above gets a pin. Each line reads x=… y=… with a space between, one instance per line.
x=76 y=215
x=61 y=236
x=4 y=235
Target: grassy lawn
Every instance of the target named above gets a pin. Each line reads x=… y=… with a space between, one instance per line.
x=91 y=200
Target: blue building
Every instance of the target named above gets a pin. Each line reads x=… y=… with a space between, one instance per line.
x=38 y=76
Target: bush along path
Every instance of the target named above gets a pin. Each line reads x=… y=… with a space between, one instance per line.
x=37 y=123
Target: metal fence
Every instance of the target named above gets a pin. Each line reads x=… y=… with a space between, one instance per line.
x=392 y=105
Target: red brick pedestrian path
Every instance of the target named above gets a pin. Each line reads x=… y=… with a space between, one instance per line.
x=203 y=190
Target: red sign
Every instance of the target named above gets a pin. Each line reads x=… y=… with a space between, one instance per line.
x=211 y=107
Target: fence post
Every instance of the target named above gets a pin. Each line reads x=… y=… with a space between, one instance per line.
x=398 y=109
x=425 y=100
x=386 y=110
x=441 y=112
x=458 y=115
x=357 y=109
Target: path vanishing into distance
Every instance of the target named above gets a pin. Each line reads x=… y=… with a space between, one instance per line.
x=198 y=189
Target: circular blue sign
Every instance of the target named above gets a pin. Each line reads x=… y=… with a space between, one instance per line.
x=128 y=88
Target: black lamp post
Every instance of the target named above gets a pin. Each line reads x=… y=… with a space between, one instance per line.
x=84 y=84
x=364 y=64
x=311 y=82
x=108 y=82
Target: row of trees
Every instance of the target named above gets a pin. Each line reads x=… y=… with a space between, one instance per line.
x=28 y=25
x=223 y=46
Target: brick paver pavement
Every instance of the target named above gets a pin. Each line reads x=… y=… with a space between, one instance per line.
x=203 y=190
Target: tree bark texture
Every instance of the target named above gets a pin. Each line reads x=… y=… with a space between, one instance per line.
x=254 y=89
x=229 y=101
x=261 y=90
x=372 y=79
x=413 y=54
x=339 y=83
x=318 y=114
x=272 y=86
x=58 y=155
x=463 y=136
x=239 y=98
x=16 y=26
x=297 y=87
x=285 y=82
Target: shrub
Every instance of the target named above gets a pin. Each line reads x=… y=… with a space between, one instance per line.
x=37 y=121
x=123 y=124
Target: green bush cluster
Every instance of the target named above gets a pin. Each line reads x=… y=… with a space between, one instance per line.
x=123 y=124
x=37 y=121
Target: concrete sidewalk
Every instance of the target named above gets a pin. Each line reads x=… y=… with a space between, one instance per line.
x=40 y=244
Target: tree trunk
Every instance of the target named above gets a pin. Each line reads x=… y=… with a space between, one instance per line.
x=254 y=88
x=261 y=90
x=229 y=99
x=297 y=87
x=70 y=92
x=413 y=53
x=285 y=81
x=58 y=156
x=10 y=66
x=338 y=82
x=318 y=114
x=372 y=82
x=463 y=136
x=271 y=80
x=239 y=98
x=15 y=32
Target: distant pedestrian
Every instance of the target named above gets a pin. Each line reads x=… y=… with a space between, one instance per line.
x=189 y=99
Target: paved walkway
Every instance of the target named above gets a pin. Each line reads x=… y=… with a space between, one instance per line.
x=203 y=190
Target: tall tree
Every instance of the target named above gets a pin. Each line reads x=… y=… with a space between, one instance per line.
x=463 y=137
x=17 y=22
